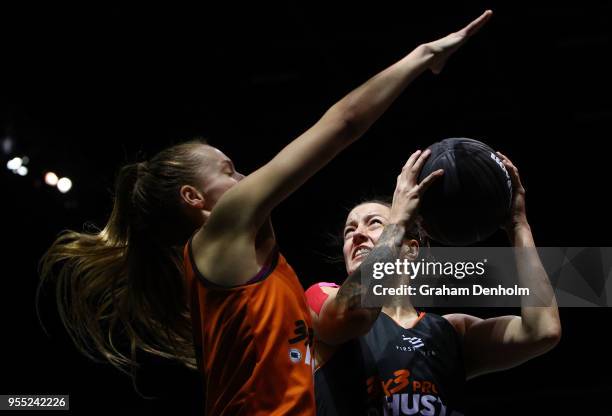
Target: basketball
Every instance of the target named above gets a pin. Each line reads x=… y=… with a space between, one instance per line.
x=473 y=198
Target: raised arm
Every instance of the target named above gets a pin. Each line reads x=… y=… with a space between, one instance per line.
x=507 y=341
x=238 y=215
x=344 y=316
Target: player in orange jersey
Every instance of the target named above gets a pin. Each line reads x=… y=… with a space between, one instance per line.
x=244 y=306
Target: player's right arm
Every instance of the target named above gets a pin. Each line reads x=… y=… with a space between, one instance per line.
x=344 y=314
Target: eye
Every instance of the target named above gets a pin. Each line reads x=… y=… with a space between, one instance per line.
x=376 y=221
x=228 y=169
x=348 y=232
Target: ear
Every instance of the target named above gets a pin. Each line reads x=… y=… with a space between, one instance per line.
x=410 y=249
x=192 y=197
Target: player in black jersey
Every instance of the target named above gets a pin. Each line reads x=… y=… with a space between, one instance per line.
x=400 y=361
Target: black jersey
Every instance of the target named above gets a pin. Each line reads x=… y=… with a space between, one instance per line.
x=395 y=371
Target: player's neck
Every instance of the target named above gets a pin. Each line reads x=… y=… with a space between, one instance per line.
x=403 y=314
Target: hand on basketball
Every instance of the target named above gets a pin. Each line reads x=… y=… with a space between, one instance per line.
x=443 y=48
x=408 y=191
x=518 y=213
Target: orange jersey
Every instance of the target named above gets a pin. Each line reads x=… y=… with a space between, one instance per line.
x=253 y=342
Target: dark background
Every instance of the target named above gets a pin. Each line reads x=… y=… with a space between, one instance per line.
x=88 y=88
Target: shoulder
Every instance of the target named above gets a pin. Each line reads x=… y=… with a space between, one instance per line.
x=233 y=263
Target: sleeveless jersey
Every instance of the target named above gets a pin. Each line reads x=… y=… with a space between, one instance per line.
x=253 y=342
x=395 y=371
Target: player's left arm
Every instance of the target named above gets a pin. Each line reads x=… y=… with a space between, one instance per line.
x=507 y=341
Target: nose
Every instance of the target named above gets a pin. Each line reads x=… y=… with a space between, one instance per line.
x=359 y=236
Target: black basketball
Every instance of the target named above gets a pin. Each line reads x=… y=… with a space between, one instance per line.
x=472 y=199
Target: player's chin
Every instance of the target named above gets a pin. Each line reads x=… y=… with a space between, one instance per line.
x=354 y=265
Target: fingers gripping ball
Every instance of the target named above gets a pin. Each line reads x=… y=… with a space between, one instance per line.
x=473 y=198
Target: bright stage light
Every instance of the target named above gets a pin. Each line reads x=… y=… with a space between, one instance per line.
x=51 y=179
x=64 y=185
x=14 y=164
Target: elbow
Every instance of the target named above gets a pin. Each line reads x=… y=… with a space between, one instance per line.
x=549 y=338
x=553 y=336
x=347 y=123
x=425 y=50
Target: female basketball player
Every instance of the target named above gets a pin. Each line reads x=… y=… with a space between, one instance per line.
x=244 y=306
x=401 y=362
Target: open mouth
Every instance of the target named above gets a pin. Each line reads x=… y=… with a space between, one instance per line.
x=361 y=252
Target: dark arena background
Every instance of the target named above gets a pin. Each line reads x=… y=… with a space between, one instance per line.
x=87 y=88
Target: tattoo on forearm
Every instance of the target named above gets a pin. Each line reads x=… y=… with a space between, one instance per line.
x=387 y=249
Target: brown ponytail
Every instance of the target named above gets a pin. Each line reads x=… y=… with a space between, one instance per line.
x=124 y=283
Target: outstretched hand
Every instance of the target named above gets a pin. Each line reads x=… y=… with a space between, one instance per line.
x=443 y=48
